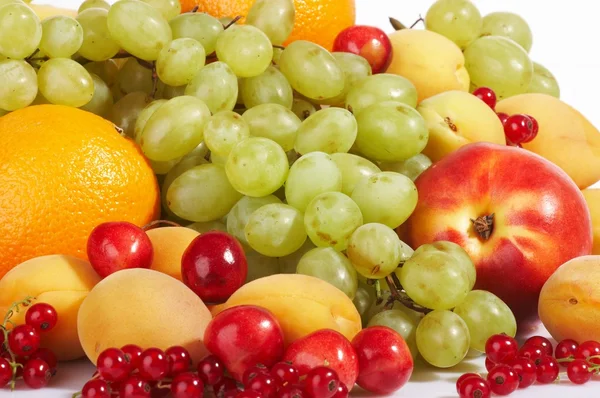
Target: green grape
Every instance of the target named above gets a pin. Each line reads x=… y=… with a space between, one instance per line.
x=218 y=159
x=216 y=85
x=98 y=44
x=391 y=131
x=195 y=158
x=276 y=55
x=238 y=217
x=246 y=49
x=411 y=167
x=288 y=264
x=223 y=131
x=162 y=168
x=168 y=8
x=485 y=315
x=543 y=81
x=274 y=17
x=102 y=100
x=354 y=168
x=18 y=84
x=175 y=129
x=198 y=26
x=355 y=69
x=510 y=25
x=143 y=117
x=302 y=108
x=275 y=122
x=443 y=339
x=139 y=28
x=125 y=111
x=500 y=64
x=5 y=2
x=331 y=266
x=458 y=20
x=375 y=250
x=330 y=219
x=387 y=198
x=63 y=81
x=270 y=87
x=275 y=230
x=403 y=321
x=259 y=266
x=201 y=193
x=93 y=4
x=203 y=227
x=169 y=92
x=364 y=298
x=134 y=77
x=257 y=166
x=180 y=61
x=384 y=305
x=330 y=130
x=62 y=36
x=379 y=88
x=21 y=31
x=106 y=70
x=311 y=175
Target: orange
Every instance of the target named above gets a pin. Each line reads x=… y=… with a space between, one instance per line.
x=188 y=5
x=63 y=171
x=318 y=21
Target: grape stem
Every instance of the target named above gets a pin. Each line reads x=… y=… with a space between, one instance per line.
x=233 y=21
x=484 y=226
x=417 y=21
x=154 y=81
x=398 y=294
x=195 y=9
x=4 y=328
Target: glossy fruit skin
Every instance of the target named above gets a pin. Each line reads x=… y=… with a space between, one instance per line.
x=535 y=353
x=475 y=387
x=489 y=364
x=265 y=384
x=503 y=380
x=526 y=370
x=95 y=389
x=588 y=349
x=36 y=373
x=518 y=129
x=501 y=348
x=187 y=385
x=134 y=387
x=112 y=365
x=5 y=372
x=541 y=342
x=564 y=349
x=578 y=371
x=325 y=346
x=42 y=317
x=463 y=378
x=179 y=360
x=321 y=382
x=244 y=336
x=290 y=391
x=285 y=373
x=547 y=370
x=154 y=364
x=503 y=117
x=211 y=370
x=133 y=353
x=47 y=356
x=369 y=42
x=24 y=340
x=214 y=266
x=487 y=95
x=226 y=386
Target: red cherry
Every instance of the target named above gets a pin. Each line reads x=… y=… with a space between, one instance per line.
x=578 y=371
x=541 y=342
x=321 y=382
x=211 y=370
x=290 y=391
x=225 y=387
x=112 y=365
x=252 y=372
x=487 y=95
x=489 y=364
x=532 y=352
x=464 y=377
x=154 y=364
x=518 y=129
x=285 y=373
x=369 y=42
x=42 y=317
x=187 y=385
x=475 y=387
x=47 y=356
x=342 y=391
x=586 y=350
x=6 y=372
x=535 y=127
x=501 y=348
x=95 y=389
x=503 y=380
x=249 y=394
x=526 y=370
x=36 y=373
x=503 y=117
x=265 y=384
x=23 y=340
x=133 y=354
x=179 y=360
x=135 y=387
x=547 y=370
x=565 y=349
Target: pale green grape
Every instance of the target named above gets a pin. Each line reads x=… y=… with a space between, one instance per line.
x=288 y=264
x=226 y=21
x=240 y=214
x=218 y=159
x=162 y=168
x=375 y=250
x=403 y=321
x=274 y=17
x=202 y=193
x=500 y=64
x=276 y=55
x=330 y=219
x=143 y=117
x=134 y=77
x=175 y=129
x=180 y=61
x=388 y=198
x=93 y=4
x=125 y=111
x=102 y=100
x=21 y=31
x=312 y=70
x=257 y=166
x=98 y=44
x=364 y=298
x=391 y=131
x=386 y=295
x=224 y=131
x=63 y=81
x=203 y=227
x=302 y=108
x=216 y=85
x=543 y=81
x=379 y=88
x=195 y=158
x=458 y=20
x=62 y=36
x=4 y=2
x=311 y=175
x=106 y=70
x=270 y=87
x=18 y=84
x=275 y=122
x=246 y=49
x=275 y=230
x=485 y=315
x=443 y=339
x=411 y=167
x=354 y=168
x=168 y=8
x=198 y=26
x=330 y=130
x=509 y=25
x=168 y=92
x=355 y=68
x=139 y=28
x=259 y=266
x=331 y=266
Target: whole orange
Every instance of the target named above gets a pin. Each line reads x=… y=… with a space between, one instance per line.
x=318 y=21
x=188 y=5
x=62 y=172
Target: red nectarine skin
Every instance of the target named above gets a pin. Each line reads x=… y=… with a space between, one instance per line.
x=540 y=218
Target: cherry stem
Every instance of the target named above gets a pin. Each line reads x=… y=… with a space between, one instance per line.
x=278 y=46
x=155 y=223
x=4 y=327
x=417 y=21
x=195 y=9
x=233 y=21
x=398 y=294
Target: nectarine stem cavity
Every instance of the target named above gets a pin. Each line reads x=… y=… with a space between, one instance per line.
x=484 y=226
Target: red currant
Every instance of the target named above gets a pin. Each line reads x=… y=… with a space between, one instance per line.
x=578 y=371
x=565 y=349
x=547 y=370
x=535 y=128
x=541 y=342
x=187 y=385
x=503 y=117
x=532 y=352
x=211 y=370
x=526 y=370
x=321 y=382
x=585 y=350
x=133 y=354
x=47 y=356
x=95 y=389
x=36 y=373
x=285 y=373
x=135 y=387
x=154 y=364
x=342 y=391
x=518 y=129
x=487 y=95
x=475 y=387
x=464 y=377
x=503 y=380
x=501 y=348
x=24 y=340
x=290 y=391
x=265 y=384
x=252 y=372
x=225 y=387
x=6 y=372
x=489 y=364
x=112 y=365
x=42 y=317
x=179 y=360
x=249 y=394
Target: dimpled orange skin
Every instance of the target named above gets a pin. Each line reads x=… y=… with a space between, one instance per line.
x=188 y=5
x=63 y=171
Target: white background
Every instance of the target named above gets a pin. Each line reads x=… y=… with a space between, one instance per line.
x=566 y=42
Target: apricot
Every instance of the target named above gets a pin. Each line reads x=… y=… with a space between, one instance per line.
x=592 y=198
x=169 y=243
x=143 y=307
x=61 y=281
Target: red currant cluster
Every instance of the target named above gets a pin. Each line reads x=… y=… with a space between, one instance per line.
x=20 y=352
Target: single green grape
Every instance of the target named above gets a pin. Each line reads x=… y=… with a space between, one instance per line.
x=98 y=44
x=275 y=122
x=443 y=338
x=364 y=298
x=330 y=130
x=391 y=131
x=180 y=61
x=403 y=321
x=302 y=108
x=543 y=81
x=354 y=168
x=500 y=64
x=259 y=266
x=198 y=26
x=411 y=167
x=274 y=17
x=238 y=217
x=18 y=84
x=275 y=230
x=62 y=36
x=379 y=88
x=169 y=92
x=93 y=4
x=143 y=117
x=21 y=31
x=168 y=8
x=458 y=20
x=203 y=227
x=134 y=77
x=485 y=315
x=510 y=25
x=162 y=168
x=312 y=70
x=139 y=28
x=63 y=81
x=223 y=131
x=216 y=85
x=106 y=70
x=102 y=100
x=195 y=158
x=125 y=111
x=331 y=266
x=355 y=69
x=246 y=49
x=270 y=87
x=375 y=250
